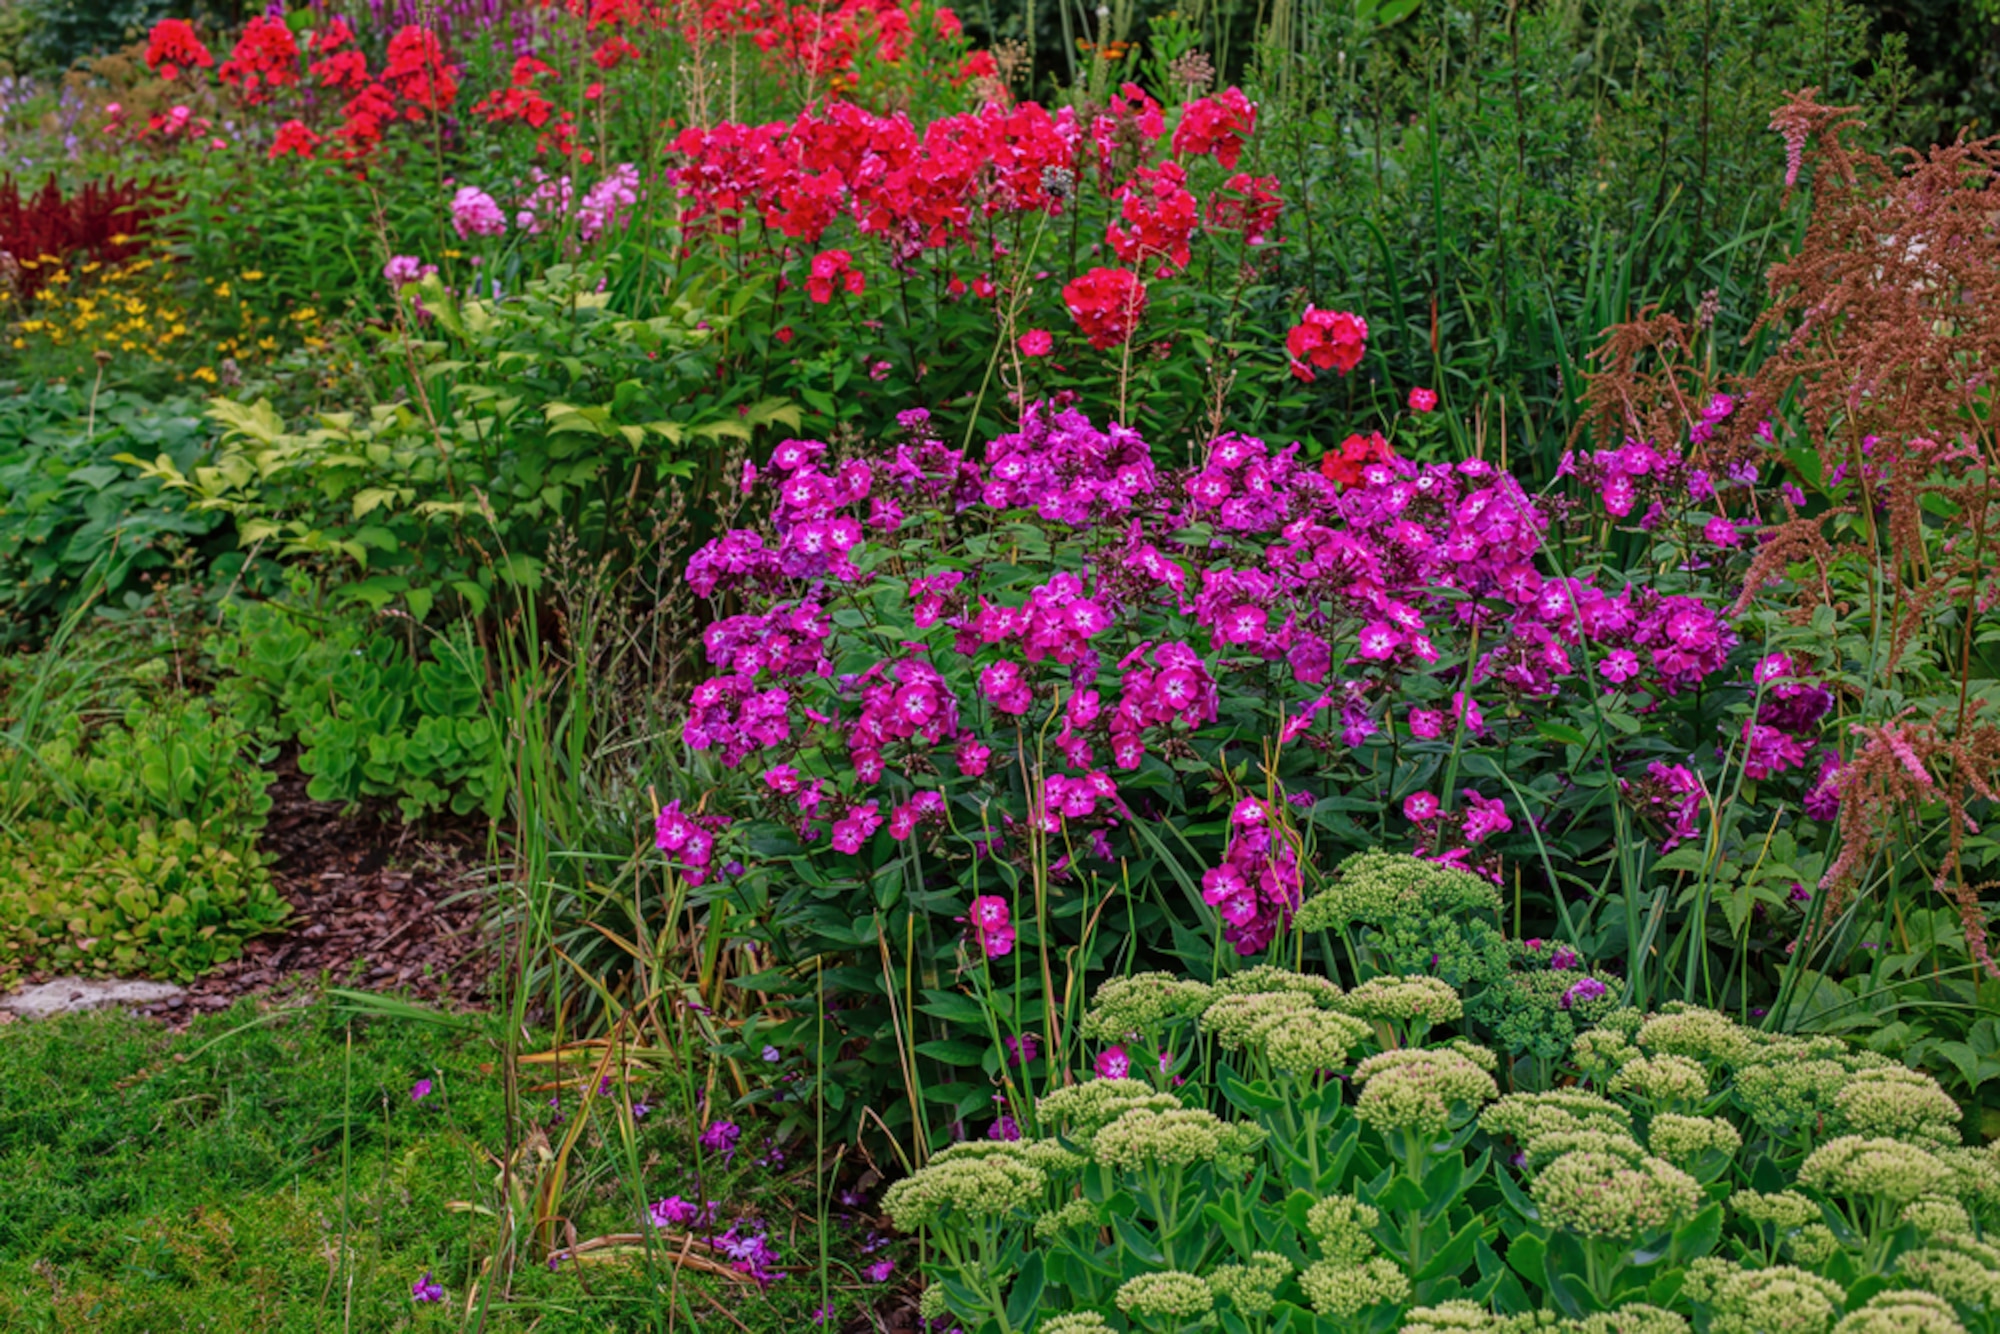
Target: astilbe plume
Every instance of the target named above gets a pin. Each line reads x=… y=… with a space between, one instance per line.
x=104 y=221
x=1888 y=313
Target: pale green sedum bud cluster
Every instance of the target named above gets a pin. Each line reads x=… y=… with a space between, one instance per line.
x=1420 y=1090
x=971 y=1187
x=1341 y=1224
x=1600 y=1195
x=1127 y=1007
x=1081 y=1110
x=1693 y=1143
x=1886 y=1170
x=1170 y=1294
x=1899 y=1104
x=1960 y=1269
x=1075 y=1322
x=1423 y=1002
x=1345 y=1290
x=1663 y=1081
x=1143 y=1138
x=1251 y=1288
x=1906 y=1312
x=1778 y=1300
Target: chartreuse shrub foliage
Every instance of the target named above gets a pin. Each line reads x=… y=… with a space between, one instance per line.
x=1280 y=1154
x=129 y=843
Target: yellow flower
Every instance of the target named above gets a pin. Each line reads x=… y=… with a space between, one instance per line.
x=305 y=314
x=268 y=344
x=451 y=254
x=204 y=373
x=223 y=290
x=251 y=275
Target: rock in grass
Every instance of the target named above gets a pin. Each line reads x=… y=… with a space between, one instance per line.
x=66 y=995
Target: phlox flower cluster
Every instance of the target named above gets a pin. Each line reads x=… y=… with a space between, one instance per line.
x=1325 y=340
x=1344 y=609
x=689 y=840
x=1256 y=887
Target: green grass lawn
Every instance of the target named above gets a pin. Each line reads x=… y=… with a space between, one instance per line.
x=271 y=1172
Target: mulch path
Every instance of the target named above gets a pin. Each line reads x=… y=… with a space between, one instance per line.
x=376 y=905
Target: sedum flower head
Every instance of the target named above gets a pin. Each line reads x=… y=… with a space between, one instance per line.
x=988 y=1187
x=1078 y=1215
x=1127 y=1007
x=1459 y=1317
x=1341 y=1224
x=1975 y=1178
x=1345 y=1290
x=1145 y=1138
x=1270 y=977
x=1600 y=1195
x=1698 y=1034
x=1907 y=1312
x=1414 y=1000
x=1232 y=1018
x=1377 y=888
x=1050 y=1156
x=1960 y=1269
x=1686 y=1140
x=1419 y=1089
x=983 y=1148
x=1637 y=1318
x=1897 y=1103
x=934 y=1304
x=1599 y=1053
x=1522 y=1116
x=1778 y=1300
x=1073 y=1322
x=1881 y=1169
x=1081 y=1110
x=1785 y=1210
x=1813 y=1245
x=1937 y=1215
x=1251 y=1288
x=1541 y=1150
x=1791 y=1093
x=1664 y=1081
x=1171 y=1294
x=1482 y=1057
x=1306 y=1041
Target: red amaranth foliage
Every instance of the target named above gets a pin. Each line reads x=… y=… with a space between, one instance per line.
x=105 y=221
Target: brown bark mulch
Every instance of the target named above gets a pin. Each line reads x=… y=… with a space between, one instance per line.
x=376 y=905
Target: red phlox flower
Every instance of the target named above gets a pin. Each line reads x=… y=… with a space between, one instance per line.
x=417 y=72
x=1344 y=465
x=1159 y=213
x=1106 y=305
x=828 y=267
x=614 y=53
x=1247 y=204
x=294 y=137
x=1216 y=125
x=338 y=67
x=173 y=46
x=364 y=114
x=1328 y=339
x=266 y=56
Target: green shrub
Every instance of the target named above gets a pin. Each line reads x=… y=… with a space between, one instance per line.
x=166 y=898
x=74 y=523
x=371 y=718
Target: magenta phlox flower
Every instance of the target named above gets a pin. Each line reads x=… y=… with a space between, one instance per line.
x=736 y=559
x=1484 y=817
x=1582 y=990
x=1256 y=888
x=1067 y=470
x=1671 y=795
x=853 y=829
x=474 y=213
x=677 y=1212
x=420 y=1090
x=720 y=1137
x=1023 y=1049
x=1112 y=1063
x=990 y=922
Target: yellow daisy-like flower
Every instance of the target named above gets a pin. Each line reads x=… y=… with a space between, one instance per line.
x=204 y=373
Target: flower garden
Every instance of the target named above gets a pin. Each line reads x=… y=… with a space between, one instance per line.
x=1309 y=668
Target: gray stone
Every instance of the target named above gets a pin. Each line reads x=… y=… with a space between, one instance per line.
x=68 y=994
